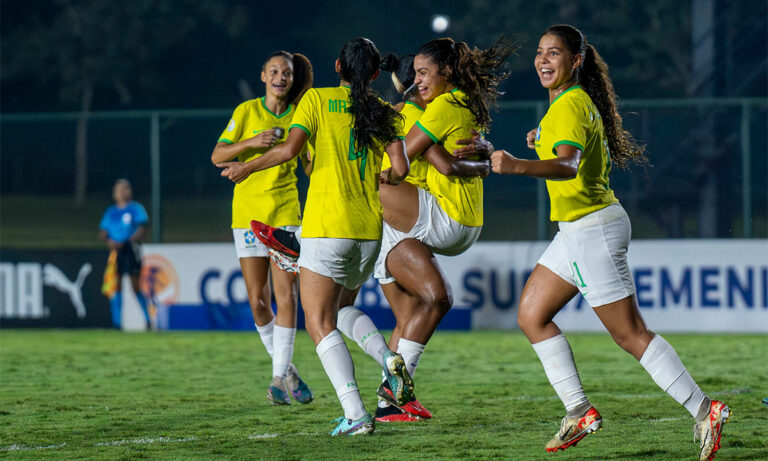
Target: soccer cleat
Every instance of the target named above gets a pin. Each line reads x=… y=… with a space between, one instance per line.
x=278 y=239
x=283 y=262
x=399 y=380
x=393 y=414
x=574 y=429
x=277 y=392
x=299 y=389
x=709 y=430
x=413 y=407
x=348 y=426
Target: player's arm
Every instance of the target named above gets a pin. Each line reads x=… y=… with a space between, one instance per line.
x=139 y=234
x=564 y=167
x=400 y=164
x=111 y=244
x=306 y=162
x=418 y=142
x=477 y=146
x=290 y=149
x=449 y=165
x=224 y=152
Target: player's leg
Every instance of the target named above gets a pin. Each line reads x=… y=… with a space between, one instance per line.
x=320 y=296
x=356 y=325
x=135 y=284
x=544 y=294
x=400 y=204
x=285 y=287
x=623 y=320
x=116 y=301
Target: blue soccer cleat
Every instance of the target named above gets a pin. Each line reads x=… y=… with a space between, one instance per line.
x=299 y=389
x=348 y=426
x=399 y=380
x=277 y=392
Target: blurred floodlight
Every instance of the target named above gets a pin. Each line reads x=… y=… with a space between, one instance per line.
x=440 y=23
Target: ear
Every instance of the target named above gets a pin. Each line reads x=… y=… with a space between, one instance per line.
x=375 y=75
x=577 y=60
x=338 y=66
x=263 y=76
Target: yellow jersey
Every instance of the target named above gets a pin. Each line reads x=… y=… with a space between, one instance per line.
x=573 y=119
x=269 y=196
x=419 y=166
x=343 y=196
x=445 y=122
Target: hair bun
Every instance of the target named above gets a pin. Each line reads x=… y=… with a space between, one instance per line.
x=390 y=63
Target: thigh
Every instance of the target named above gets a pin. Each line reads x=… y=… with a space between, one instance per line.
x=544 y=294
x=400 y=204
x=320 y=297
x=255 y=272
x=415 y=268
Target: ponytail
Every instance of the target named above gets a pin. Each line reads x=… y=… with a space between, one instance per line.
x=374 y=120
x=402 y=71
x=593 y=77
x=473 y=70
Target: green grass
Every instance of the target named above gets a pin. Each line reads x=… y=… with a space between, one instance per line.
x=104 y=394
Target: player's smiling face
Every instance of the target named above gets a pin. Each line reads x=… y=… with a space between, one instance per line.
x=554 y=63
x=278 y=76
x=430 y=82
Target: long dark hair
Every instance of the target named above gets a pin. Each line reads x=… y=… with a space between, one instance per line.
x=474 y=71
x=402 y=71
x=593 y=77
x=374 y=120
x=303 y=75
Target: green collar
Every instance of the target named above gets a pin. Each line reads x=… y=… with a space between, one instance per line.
x=561 y=94
x=264 y=103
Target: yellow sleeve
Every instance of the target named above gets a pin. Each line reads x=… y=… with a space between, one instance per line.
x=571 y=125
x=307 y=116
x=234 y=130
x=435 y=122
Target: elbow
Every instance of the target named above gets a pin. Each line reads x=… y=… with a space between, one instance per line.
x=402 y=170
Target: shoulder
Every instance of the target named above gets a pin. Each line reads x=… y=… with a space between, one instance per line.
x=249 y=106
x=137 y=207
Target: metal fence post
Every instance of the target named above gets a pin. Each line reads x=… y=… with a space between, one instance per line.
x=746 y=170
x=154 y=162
x=541 y=187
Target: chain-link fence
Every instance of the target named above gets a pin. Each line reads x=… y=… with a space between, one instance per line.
x=707 y=174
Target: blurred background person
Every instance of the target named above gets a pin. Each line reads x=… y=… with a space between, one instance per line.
x=122 y=227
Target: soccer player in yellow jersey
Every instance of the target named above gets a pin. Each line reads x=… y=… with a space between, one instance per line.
x=349 y=128
x=578 y=139
x=445 y=215
x=271 y=196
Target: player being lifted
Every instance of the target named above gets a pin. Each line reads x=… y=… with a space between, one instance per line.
x=271 y=196
x=350 y=129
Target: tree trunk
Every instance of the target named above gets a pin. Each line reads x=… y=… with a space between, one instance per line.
x=81 y=146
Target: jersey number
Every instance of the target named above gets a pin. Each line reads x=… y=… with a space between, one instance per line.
x=355 y=155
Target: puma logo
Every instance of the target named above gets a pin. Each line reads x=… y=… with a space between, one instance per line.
x=52 y=276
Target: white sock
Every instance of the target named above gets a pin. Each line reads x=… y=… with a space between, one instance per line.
x=663 y=364
x=338 y=365
x=411 y=352
x=357 y=326
x=265 y=332
x=283 y=346
x=556 y=356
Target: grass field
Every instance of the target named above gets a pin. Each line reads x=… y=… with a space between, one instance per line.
x=105 y=394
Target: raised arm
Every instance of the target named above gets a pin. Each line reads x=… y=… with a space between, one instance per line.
x=564 y=167
x=290 y=149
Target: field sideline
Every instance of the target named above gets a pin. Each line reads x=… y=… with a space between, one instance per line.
x=105 y=394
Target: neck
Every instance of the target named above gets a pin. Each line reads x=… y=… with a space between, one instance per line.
x=555 y=92
x=345 y=83
x=122 y=203
x=277 y=106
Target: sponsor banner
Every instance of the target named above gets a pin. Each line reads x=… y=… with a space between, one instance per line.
x=52 y=289
x=200 y=286
x=682 y=285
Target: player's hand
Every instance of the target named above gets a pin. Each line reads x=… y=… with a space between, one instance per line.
x=502 y=162
x=477 y=146
x=385 y=177
x=266 y=138
x=234 y=171
x=113 y=245
x=530 y=139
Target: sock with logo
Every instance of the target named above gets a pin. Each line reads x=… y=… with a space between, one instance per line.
x=339 y=367
x=556 y=356
x=356 y=325
x=411 y=352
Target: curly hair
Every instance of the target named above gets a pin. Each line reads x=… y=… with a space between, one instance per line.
x=374 y=120
x=474 y=71
x=593 y=77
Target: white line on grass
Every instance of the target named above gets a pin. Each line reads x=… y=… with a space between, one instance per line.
x=145 y=441
x=16 y=447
